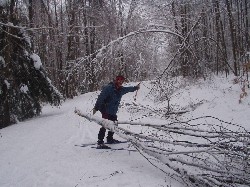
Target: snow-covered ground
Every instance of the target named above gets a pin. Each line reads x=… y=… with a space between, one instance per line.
x=42 y=152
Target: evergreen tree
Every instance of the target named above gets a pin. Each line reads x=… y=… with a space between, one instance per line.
x=24 y=84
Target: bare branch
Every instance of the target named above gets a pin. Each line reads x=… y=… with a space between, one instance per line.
x=215 y=153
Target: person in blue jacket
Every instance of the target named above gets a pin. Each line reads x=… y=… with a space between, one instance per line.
x=107 y=103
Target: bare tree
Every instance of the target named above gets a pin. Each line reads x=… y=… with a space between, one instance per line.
x=233 y=37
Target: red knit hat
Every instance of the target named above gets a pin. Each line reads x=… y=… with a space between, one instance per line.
x=119 y=77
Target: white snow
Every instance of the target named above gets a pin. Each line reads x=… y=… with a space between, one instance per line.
x=24 y=88
x=41 y=152
x=2 y=62
x=37 y=61
x=7 y=83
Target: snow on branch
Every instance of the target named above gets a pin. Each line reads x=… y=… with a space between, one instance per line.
x=101 y=52
x=204 y=151
x=21 y=27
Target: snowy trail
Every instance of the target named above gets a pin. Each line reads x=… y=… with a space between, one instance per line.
x=41 y=152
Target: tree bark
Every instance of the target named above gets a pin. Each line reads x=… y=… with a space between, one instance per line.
x=247 y=33
x=233 y=36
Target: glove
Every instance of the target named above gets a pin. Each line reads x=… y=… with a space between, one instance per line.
x=138 y=86
x=94 y=111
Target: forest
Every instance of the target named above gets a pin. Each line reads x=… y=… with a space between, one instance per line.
x=52 y=50
x=55 y=50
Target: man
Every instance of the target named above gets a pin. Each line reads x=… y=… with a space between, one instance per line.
x=107 y=103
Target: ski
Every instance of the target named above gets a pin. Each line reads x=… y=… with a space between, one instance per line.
x=117 y=142
x=91 y=144
x=102 y=146
x=114 y=149
x=85 y=145
x=109 y=148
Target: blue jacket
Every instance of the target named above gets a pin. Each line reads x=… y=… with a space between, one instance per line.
x=109 y=99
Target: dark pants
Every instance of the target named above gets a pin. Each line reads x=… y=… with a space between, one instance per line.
x=102 y=130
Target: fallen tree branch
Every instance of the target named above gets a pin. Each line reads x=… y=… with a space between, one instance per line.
x=210 y=154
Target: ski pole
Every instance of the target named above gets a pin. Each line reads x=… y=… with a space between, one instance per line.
x=136 y=92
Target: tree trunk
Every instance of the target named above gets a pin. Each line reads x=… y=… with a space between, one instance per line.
x=221 y=63
x=218 y=34
x=175 y=21
x=247 y=25
x=89 y=32
x=184 y=31
x=233 y=37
